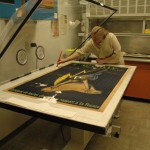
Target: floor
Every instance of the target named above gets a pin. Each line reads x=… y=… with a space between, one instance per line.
x=44 y=135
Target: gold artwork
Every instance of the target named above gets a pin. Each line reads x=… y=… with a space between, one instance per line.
x=73 y=83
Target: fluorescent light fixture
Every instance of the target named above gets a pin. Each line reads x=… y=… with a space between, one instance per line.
x=101 y=4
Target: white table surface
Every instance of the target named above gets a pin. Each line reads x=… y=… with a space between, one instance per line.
x=82 y=115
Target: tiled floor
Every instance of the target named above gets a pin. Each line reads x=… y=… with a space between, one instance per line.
x=44 y=135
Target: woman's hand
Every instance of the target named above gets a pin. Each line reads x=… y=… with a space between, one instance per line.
x=61 y=61
x=74 y=56
x=100 y=61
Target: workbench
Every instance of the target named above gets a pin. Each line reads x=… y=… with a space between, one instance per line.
x=84 y=120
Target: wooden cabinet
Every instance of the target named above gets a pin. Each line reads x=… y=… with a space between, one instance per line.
x=139 y=86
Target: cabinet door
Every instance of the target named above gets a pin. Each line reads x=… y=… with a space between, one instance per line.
x=139 y=87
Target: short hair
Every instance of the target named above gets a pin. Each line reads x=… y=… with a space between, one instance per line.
x=99 y=31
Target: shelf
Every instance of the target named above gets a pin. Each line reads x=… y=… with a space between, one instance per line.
x=125 y=8
x=132 y=34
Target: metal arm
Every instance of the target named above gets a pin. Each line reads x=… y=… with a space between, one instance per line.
x=101 y=5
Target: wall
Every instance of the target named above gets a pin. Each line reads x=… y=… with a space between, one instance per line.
x=39 y=32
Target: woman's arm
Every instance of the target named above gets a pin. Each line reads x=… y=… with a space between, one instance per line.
x=106 y=60
x=74 y=56
x=78 y=54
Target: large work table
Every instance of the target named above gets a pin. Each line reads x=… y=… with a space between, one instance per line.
x=84 y=121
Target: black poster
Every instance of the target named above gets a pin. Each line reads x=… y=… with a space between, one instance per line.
x=76 y=84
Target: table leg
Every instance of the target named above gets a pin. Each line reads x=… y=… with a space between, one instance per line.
x=79 y=139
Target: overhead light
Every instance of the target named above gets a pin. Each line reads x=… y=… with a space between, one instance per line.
x=102 y=4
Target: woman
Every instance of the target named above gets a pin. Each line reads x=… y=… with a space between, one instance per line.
x=102 y=44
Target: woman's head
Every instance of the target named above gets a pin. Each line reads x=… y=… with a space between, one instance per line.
x=98 y=34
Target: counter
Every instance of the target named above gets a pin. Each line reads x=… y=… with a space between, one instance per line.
x=136 y=57
x=130 y=57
